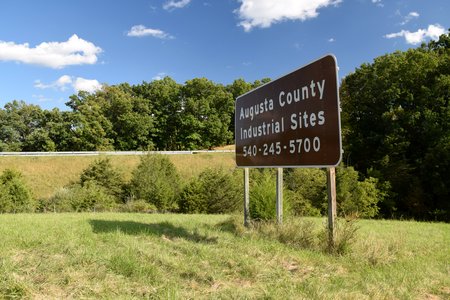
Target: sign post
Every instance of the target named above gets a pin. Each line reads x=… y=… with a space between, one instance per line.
x=246 y=197
x=280 y=195
x=331 y=188
x=292 y=122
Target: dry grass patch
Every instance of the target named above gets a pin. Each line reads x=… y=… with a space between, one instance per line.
x=45 y=175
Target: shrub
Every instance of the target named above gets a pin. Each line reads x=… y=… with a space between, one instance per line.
x=215 y=191
x=192 y=198
x=302 y=206
x=103 y=174
x=139 y=206
x=90 y=197
x=156 y=181
x=15 y=196
x=356 y=197
x=308 y=191
x=263 y=195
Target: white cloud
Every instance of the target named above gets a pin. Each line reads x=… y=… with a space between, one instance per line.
x=331 y=40
x=409 y=17
x=88 y=85
x=57 y=55
x=141 y=30
x=378 y=3
x=65 y=81
x=264 y=13
x=60 y=84
x=172 y=4
x=433 y=32
x=159 y=76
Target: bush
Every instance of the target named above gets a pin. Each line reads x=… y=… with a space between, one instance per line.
x=263 y=195
x=103 y=174
x=215 y=191
x=15 y=196
x=308 y=191
x=138 y=206
x=156 y=181
x=356 y=197
x=90 y=197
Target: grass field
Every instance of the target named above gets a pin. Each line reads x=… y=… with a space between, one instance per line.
x=45 y=175
x=126 y=256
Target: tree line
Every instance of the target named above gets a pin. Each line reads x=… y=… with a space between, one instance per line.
x=395 y=124
x=157 y=115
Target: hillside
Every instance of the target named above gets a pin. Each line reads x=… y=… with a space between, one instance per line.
x=44 y=175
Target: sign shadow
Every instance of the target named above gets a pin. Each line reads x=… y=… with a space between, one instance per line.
x=165 y=230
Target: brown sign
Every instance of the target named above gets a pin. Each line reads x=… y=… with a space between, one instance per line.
x=293 y=121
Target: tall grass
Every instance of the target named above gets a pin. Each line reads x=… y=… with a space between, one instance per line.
x=134 y=256
x=45 y=175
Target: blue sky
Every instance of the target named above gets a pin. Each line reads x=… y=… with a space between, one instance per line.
x=50 y=49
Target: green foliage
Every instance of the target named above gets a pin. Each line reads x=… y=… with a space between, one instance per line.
x=15 y=196
x=89 y=197
x=395 y=116
x=216 y=191
x=138 y=206
x=156 y=181
x=102 y=173
x=206 y=116
x=308 y=191
x=263 y=195
x=91 y=128
x=356 y=197
x=161 y=114
x=164 y=96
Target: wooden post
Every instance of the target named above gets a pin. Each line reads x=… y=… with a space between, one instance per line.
x=246 y=198
x=280 y=195
x=331 y=185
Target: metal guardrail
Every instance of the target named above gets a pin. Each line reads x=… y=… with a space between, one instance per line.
x=97 y=153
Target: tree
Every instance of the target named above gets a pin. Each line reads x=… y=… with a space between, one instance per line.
x=103 y=174
x=165 y=99
x=90 y=129
x=356 y=197
x=131 y=117
x=395 y=116
x=215 y=191
x=15 y=196
x=18 y=127
x=156 y=181
x=206 y=114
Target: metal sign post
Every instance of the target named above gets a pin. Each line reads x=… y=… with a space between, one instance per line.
x=246 y=198
x=331 y=187
x=292 y=122
x=279 y=195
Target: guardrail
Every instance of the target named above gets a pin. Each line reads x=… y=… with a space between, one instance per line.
x=94 y=153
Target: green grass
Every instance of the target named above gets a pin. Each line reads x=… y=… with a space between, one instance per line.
x=45 y=175
x=133 y=256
